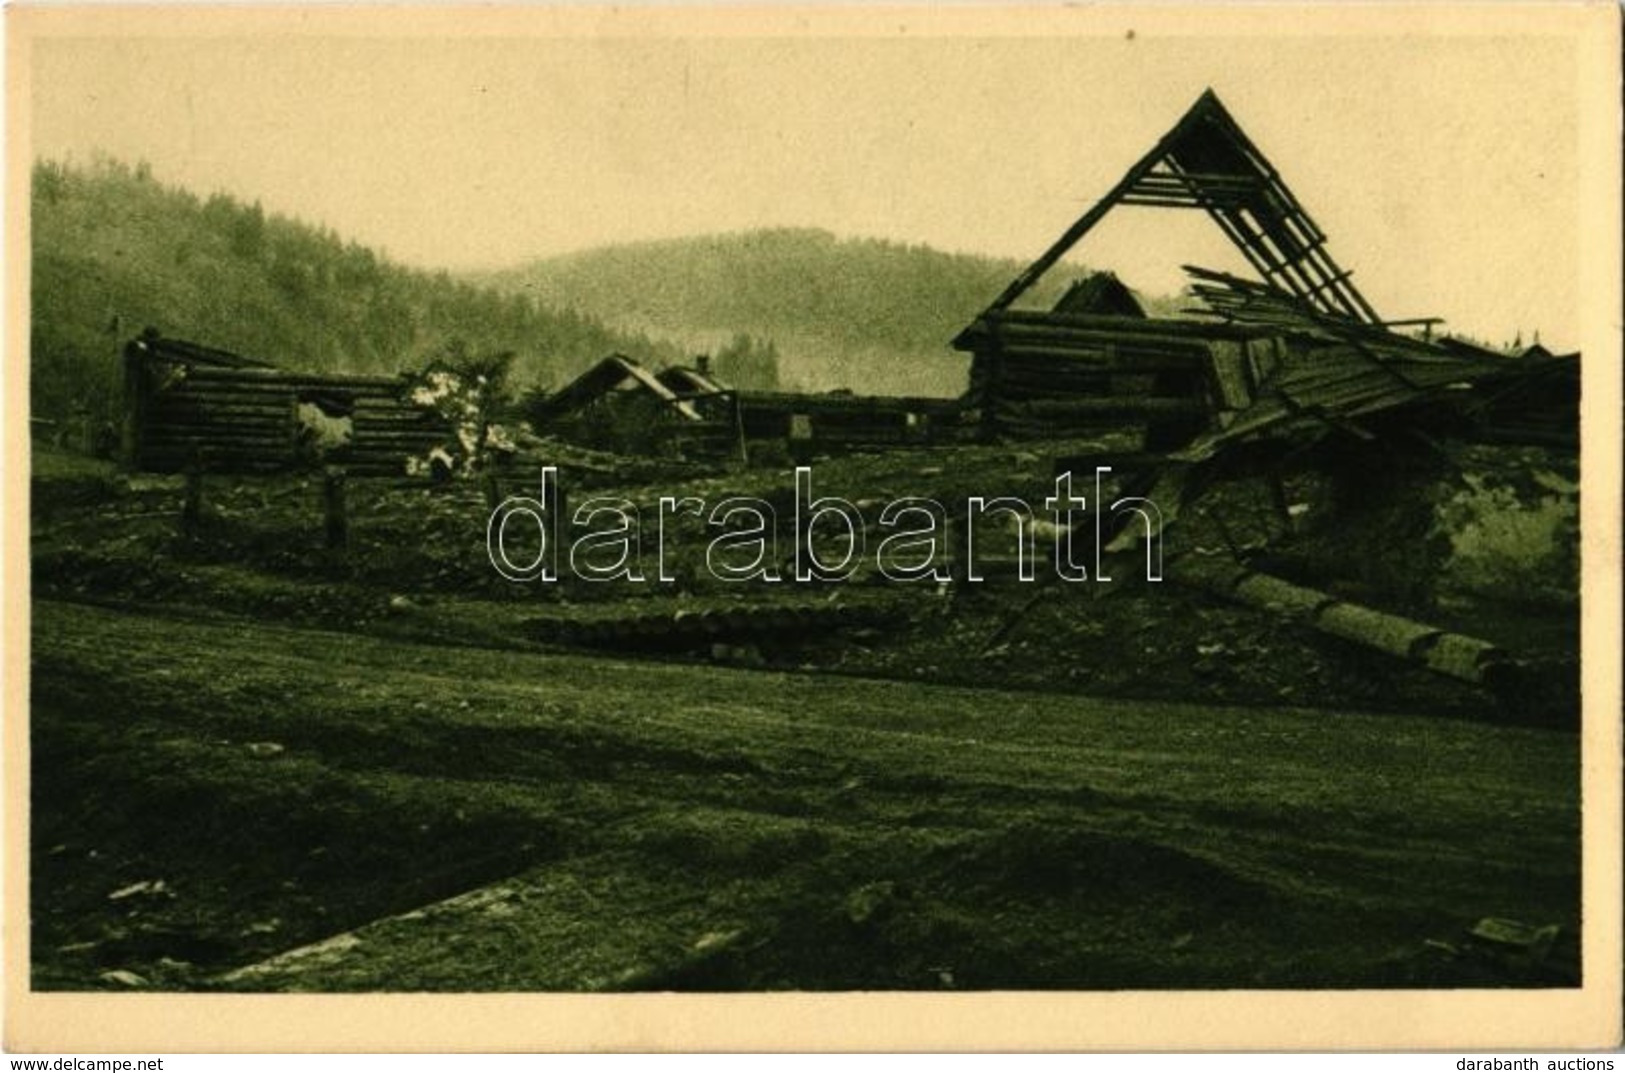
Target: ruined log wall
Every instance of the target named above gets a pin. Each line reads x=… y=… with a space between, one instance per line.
x=184 y=406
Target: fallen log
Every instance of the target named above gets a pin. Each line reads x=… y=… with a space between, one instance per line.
x=1458 y=656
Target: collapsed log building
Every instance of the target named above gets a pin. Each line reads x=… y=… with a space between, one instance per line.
x=190 y=405
x=620 y=404
x=1297 y=353
x=1293 y=368
x=1299 y=349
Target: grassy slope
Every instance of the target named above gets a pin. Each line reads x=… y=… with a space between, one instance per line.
x=837 y=833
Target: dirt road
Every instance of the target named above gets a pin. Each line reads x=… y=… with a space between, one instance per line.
x=208 y=795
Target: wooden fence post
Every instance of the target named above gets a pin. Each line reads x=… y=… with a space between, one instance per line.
x=135 y=391
x=338 y=524
x=192 y=505
x=739 y=431
x=492 y=489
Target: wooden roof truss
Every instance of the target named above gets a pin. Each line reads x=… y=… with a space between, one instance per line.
x=1207 y=162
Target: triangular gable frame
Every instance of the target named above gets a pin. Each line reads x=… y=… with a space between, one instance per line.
x=609 y=374
x=1207 y=162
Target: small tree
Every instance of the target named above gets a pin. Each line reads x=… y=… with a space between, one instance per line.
x=468 y=392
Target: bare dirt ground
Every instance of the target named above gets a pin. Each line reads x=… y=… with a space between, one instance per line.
x=240 y=748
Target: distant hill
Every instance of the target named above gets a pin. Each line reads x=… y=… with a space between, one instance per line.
x=864 y=314
x=114 y=251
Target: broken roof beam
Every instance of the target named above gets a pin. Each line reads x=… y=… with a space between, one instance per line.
x=1206 y=161
x=1332 y=282
x=1323 y=277
x=1277 y=214
x=1302 y=271
x=1263 y=307
x=1249 y=247
x=1083 y=225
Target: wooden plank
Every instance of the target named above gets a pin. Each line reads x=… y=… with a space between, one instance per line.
x=259 y=392
x=1153 y=406
x=1124 y=360
x=278 y=376
x=210 y=407
x=775 y=403
x=169 y=408
x=266 y=426
x=184 y=431
x=1189 y=330
x=1231 y=383
x=1105 y=340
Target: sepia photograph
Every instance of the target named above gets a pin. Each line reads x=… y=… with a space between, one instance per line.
x=918 y=502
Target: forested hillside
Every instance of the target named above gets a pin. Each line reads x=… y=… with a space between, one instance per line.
x=115 y=251
x=864 y=314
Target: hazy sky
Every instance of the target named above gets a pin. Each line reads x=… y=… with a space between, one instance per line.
x=1443 y=168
